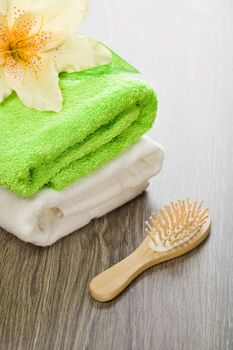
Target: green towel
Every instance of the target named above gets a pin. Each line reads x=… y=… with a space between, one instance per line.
x=101 y=117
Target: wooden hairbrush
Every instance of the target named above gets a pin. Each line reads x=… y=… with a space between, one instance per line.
x=173 y=231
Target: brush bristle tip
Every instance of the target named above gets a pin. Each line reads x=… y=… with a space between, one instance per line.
x=176 y=223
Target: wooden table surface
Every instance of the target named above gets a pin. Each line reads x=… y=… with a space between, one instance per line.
x=184 y=48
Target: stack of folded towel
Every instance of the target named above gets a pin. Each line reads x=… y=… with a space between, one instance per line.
x=60 y=170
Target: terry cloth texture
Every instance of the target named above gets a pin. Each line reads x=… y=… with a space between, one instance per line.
x=51 y=215
x=101 y=117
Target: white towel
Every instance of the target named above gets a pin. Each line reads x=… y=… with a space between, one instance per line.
x=51 y=215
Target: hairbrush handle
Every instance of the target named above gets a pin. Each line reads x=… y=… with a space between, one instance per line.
x=110 y=283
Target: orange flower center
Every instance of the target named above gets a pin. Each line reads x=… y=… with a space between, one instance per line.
x=19 y=49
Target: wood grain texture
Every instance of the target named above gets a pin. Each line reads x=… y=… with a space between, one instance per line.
x=185 y=50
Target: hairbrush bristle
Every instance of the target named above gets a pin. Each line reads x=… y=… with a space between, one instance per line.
x=175 y=224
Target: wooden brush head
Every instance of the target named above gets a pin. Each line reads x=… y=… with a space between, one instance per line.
x=175 y=224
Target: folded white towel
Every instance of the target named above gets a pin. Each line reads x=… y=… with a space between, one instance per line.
x=51 y=215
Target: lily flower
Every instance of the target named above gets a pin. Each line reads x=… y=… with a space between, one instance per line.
x=37 y=42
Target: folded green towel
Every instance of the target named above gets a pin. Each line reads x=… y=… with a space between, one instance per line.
x=101 y=117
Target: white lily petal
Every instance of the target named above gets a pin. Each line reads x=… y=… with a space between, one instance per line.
x=40 y=91
x=4 y=6
x=61 y=15
x=79 y=53
x=26 y=24
x=4 y=31
x=5 y=90
x=3 y=19
x=14 y=8
x=55 y=41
